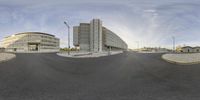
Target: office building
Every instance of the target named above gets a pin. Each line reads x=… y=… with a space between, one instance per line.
x=31 y=41
x=93 y=37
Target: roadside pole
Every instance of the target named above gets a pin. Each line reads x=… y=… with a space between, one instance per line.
x=68 y=36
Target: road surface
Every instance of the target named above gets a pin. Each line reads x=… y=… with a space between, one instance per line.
x=128 y=76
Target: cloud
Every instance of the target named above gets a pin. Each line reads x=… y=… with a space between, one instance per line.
x=153 y=23
x=150 y=10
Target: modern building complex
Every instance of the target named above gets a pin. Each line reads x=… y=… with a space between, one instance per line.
x=93 y=37
x=31 y=41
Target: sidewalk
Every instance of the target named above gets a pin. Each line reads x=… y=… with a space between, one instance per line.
x=184 y=59
x=88 y=54
x=6 y=56
x=152 y=51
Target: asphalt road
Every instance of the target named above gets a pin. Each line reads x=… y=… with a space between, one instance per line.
x=128 y=76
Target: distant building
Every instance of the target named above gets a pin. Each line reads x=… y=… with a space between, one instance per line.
x=196 y=49
x=151 y=49
x=93 y=37
x=2 y=49
x=31 y=41
x=189 y=49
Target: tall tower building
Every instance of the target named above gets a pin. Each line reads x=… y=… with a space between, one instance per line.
x=96 y=35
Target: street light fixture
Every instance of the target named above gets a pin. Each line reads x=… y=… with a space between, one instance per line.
x=68 y=36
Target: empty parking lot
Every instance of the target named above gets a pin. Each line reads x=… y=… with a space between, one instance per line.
x=127 y=76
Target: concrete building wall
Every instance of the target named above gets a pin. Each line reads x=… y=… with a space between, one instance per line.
x=76 y=36
x=23 y=42
x=93 y=37
x=112 y=40
x=84 y=40
x=96 y=35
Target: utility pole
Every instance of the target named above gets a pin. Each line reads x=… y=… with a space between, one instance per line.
x=173 y=38
x=68 y=36
x=138 y=45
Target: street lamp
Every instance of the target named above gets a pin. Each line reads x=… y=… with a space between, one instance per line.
x=68 y=36
x=138 y=45
x=173 y=38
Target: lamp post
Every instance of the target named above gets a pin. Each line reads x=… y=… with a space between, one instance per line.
x=173 y=38
x=68 y=36
x=138 y=45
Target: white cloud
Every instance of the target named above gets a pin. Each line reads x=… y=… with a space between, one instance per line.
x=150 y=22
x=150 y=11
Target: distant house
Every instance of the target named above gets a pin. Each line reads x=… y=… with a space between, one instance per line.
x=189 y=49
x=196 y=49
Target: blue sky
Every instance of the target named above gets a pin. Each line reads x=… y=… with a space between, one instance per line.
x=151 y=22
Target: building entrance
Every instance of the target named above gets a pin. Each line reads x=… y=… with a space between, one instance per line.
x=33 y=46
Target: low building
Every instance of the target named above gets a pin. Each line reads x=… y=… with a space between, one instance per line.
x=31 y=41
x=189 y=49
x=154 y=49
x=93 y=37
x=196 y=49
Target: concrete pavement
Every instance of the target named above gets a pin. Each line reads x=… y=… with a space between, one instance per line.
x=6 y=56
x=88 y=54
x=183 y=58
x=127 y=76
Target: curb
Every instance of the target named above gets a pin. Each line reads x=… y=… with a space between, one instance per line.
x=87 y=56
x=8 y=59
x=31 y=52
x=179 y=63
